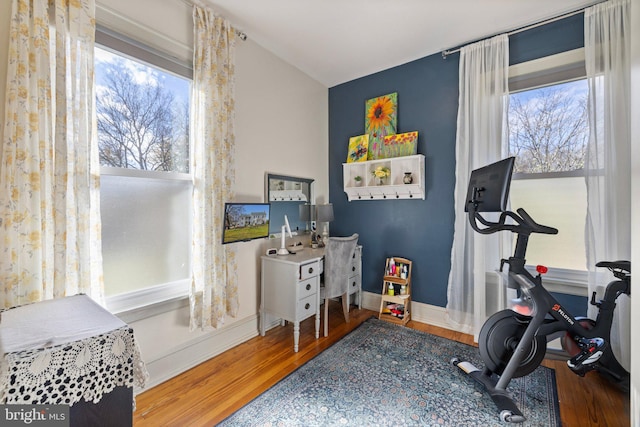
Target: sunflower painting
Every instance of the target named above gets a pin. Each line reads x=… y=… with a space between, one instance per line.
x=381 y=119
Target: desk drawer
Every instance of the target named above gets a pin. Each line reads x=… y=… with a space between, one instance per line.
x=307 y=287
x=354 y=268
x=308 y=270
x=354 y=281
x=306 y=307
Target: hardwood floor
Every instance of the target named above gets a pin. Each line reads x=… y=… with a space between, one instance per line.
x=213 y=390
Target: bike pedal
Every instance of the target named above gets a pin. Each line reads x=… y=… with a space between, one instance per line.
x=592 y=350
x=579 y=370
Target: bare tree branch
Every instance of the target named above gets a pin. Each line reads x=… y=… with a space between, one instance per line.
x=548 y=130
x=139 y=122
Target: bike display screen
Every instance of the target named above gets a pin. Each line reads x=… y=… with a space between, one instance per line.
x=488 y=189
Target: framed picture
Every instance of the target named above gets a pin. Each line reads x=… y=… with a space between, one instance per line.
x=399 y=145
x=358 y=148
x=381 y=119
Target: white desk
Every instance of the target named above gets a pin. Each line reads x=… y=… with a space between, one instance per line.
x=290 y=287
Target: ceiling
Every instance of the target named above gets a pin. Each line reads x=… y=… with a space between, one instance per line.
x=335 y=41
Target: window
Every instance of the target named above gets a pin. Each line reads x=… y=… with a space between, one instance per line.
x=142 y=107
x=143 y=115
x=548 y=132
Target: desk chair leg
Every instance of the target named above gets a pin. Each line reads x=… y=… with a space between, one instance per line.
x=345 y=306
x=326 y=317
x=345 y=311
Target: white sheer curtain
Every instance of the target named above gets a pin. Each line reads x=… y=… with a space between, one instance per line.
x=214 y=288
x=49 y=170
x=608 y=165
x=482 y=138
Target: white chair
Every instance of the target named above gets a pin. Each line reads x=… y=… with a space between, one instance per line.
x=338 y=254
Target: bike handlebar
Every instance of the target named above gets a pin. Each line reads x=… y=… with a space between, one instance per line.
x=535 y=227
x=524 y=223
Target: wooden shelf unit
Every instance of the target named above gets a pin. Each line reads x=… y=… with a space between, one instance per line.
x=398 y=301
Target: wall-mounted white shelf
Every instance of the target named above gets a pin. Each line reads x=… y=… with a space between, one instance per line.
x=368 y=188
x=287 y=189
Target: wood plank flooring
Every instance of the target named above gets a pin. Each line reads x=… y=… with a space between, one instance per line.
x=213 y=390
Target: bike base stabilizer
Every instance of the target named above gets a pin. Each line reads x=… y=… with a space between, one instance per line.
x=509 y=411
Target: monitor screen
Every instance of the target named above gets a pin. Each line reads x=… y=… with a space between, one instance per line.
x=245 y=221
x=488 y=189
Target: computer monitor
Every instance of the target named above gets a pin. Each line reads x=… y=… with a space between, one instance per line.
x=488 y=189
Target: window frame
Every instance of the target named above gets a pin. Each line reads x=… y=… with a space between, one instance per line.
x=153 y=300
x=554 y=69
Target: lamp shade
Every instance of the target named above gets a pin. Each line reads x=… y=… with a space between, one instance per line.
x=324 y=213
x=307 y=212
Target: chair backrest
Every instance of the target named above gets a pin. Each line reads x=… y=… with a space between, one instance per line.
x=338 y=254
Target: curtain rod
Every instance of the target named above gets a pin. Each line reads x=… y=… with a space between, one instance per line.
x=448 y=52
x=241 y=34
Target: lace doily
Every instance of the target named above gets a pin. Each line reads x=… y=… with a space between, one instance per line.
x=65 y=374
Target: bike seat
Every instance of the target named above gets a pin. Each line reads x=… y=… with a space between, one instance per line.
x=616 y=265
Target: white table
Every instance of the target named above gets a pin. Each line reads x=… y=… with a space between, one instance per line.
x=290 y=287
x=73 y=343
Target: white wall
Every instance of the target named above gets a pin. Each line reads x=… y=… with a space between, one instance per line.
x=635 y=207
x=281 y=127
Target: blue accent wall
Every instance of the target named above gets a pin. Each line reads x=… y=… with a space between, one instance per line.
x=420 y=230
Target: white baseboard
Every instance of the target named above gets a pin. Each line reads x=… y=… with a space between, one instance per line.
x=420 y=312
x=196 y=351
x=199 y=350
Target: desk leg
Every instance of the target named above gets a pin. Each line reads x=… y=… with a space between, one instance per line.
x=296 y=335
x=263 y=316
x=262 y=320
x=318 y=315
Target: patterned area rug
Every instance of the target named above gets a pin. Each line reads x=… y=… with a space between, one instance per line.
x=383 y=374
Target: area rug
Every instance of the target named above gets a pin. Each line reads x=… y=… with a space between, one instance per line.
x=382 y=374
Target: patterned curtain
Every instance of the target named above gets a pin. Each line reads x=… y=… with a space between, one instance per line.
x=49 y=170
x=214 y=288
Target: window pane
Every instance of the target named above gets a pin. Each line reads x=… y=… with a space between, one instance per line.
x=143 y=115
x=548 y=132
x=146 y=232
x=560 y=203
x=548 y=128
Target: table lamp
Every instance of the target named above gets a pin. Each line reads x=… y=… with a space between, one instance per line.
x=285 y=228
x=324 y=214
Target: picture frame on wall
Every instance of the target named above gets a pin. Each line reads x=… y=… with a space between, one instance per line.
x=381 y=119
x=399 y=145
x=358 y=148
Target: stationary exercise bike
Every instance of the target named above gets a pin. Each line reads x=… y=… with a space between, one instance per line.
x=513 y=342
